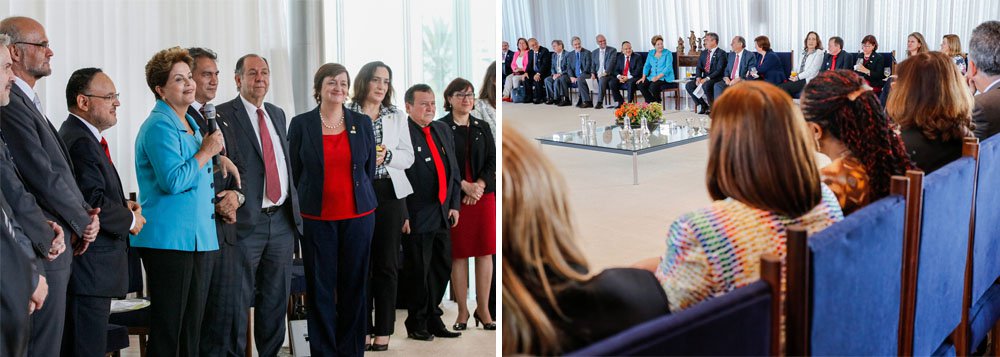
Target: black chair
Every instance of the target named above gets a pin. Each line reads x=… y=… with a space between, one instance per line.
x=117 y=339
x=136 y=321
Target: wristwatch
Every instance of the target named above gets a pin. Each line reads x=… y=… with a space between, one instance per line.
x=240 y=197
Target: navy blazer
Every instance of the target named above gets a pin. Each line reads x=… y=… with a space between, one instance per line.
x=305 y=147
x=716 y=71
x=507 y=59
x=425 y=212
x=747 y=59
x=239 y=132
x=37 y=149
x=544 y=62
x=225 y=231
x=103 y=269
x=562 y=64
x=585 y=65
x=482 y=151
x=770 y=68
x=843 y=61
x=29 y=215
x=635 y=63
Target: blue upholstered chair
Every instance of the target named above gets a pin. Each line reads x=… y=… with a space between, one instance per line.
x=844 y=282
x=743 y=322
x=985 y=311
x=787 y=61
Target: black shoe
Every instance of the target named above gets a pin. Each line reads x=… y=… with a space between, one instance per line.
x=598 y=106
x=579 y=104
x=444 y=333
x=587 y=105
x=486 y=326
x=421 y=335
x=564 y=103
x=379 y=348
x=704 y=110
x=550 y=102
x=539 y=101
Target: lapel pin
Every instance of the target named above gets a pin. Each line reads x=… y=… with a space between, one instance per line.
x=427 y=159
x=418 y=149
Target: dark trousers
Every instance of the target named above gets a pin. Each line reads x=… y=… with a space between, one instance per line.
x=651 y=90
x=385 y=259
x=86 y=331
x=493 y=289
x=178 y=288
x=267 y=278
x=335 y=256
x=537 y=88
x=629 y=86
x=221 y=334
x=426 y=270
x=884 y=96
x=47 y=324
x=603 y=84
x=708 y=86
x=792 y=88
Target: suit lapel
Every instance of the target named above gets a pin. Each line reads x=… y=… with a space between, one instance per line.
x=314 y=131
x=105 y=164
x=243 y=121
x=16 y=90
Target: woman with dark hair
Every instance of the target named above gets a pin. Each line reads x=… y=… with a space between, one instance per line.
x=714 y=250
x=768 y=66
x=851 y=128
x=332 y=152
x=475 y=234
x=485 y=107
x=657 y=72
x=812 y=59
x=519 y=68
x=870 y=65
x=553 y=302
x=933 y=107
x=393 y=154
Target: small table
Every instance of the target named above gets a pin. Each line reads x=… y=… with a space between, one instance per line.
x=611 y=139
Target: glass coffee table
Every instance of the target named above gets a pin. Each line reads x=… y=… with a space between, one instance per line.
x=613 y=139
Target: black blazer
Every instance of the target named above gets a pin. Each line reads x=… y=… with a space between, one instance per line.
x=37 y=149
x=103 y=269
x=23 y=205
x=242 y=137
x=876 y=65
x=19 y=274
x=635 y=64
x=507 y=59
x=929 y=155
x=483 y=155
x=718 y=68
x=545 y=62
x=843 y=61
x=226 y=232
x=425 y=212
x=305 y=139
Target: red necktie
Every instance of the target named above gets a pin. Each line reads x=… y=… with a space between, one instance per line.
x=104 y=144
x=708 y=64
x=833 y=65
x=736 y=67
x=272 y=187
x=438 y=165
x=626 y=67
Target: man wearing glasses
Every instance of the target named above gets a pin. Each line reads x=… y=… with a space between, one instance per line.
x=37 y=149
x=101 y=273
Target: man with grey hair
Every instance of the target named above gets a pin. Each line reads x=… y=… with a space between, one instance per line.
x=984 y=75
x=604 y=59
x=37 y=148
x=557 y=85
x=579 y=69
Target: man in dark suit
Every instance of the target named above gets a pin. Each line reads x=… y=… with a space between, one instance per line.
x=432 y=209
x=604 y=58
x=101 y=273
x=220 y=334
x=579 y=71
x=835 y=57
x=539 y=68
x=37 y=148
x=711 y=65
x=22 y=283
x=557 y=85
x=269 y=221
x=738 y=63
x=508 y=56
x=628 y=69
x=984 y=76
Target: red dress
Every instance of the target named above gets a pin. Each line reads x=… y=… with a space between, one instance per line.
x=476 y=234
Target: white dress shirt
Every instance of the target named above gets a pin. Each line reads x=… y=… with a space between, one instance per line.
x=31 y=94
x=279 y=152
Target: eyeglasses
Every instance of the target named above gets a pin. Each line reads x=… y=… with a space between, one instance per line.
x=43 y=44
x=464 y=95
x=111 y=97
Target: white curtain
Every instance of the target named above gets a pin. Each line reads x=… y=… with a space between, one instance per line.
x=785 y=22
x=120 y=36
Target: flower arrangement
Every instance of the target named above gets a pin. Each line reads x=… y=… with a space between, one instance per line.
x=653 y=112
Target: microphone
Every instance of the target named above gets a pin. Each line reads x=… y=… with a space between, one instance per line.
x=213 y=125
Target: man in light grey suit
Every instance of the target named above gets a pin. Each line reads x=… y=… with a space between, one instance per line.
x=739 y=57
x=557 y=85
x=604 y=58
x=579 y=69
x=984 y=76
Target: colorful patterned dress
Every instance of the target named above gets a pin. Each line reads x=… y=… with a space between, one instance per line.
x=717 y=249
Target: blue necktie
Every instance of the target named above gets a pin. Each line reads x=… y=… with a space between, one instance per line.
x=578 y=70
x=537 y=67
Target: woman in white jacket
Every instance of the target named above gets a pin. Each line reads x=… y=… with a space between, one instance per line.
x=394 y=154
x=812 y=59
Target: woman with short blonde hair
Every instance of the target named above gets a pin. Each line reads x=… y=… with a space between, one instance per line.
x=951 y=46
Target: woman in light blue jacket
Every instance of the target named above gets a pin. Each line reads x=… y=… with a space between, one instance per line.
x=658 y=73
x=173 y=164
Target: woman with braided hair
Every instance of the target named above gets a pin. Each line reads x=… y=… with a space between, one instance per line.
x=850 y=127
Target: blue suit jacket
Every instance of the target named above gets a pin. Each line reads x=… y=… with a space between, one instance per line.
x=176 y=194
x=305 y=150
x=585 y=64
x=747 y=59
x=770 y=69
x=562 y=65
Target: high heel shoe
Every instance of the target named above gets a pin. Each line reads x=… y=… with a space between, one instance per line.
x=461 y=326
x=486 y=325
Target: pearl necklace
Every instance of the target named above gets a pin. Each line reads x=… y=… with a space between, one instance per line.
x=322 y=119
